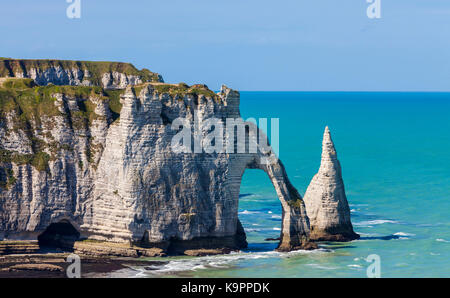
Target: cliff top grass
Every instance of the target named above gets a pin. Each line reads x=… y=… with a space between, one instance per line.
x=10 y=67
x=183 y=89
x=31 y=101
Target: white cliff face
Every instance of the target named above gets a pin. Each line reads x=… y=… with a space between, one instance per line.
x=120 y=180
x=146 y=192
x=56 y=75
x=109 y=75
x=77 y=77
x=325 y=199
x=117 y=80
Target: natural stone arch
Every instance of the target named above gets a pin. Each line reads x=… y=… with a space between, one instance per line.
x=295 y=223
x=189 y=200
x=295 y=228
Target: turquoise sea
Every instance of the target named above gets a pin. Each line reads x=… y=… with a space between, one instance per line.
x=394 y=149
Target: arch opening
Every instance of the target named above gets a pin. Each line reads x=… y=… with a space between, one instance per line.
x=260 y=210
x=61 y=234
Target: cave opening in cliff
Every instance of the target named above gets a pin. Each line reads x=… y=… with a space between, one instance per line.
x=59 y=235
x=259 y=210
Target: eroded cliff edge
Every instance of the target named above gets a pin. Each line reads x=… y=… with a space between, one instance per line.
x=109 y=75
x=98 y=156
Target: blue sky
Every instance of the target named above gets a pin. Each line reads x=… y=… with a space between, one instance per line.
x=324 y=45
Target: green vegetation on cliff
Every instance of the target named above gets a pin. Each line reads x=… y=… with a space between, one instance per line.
x=30 y=109
x=183 y=89
x=27 y=105
x=114 y=102
x=38 y=160
x=31 y=102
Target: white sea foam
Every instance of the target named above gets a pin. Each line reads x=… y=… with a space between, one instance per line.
x=246 y=197
x=276 y=229
x=248 y=212
x=403 y=234
x=276 y=216
x=354 y=266
x=442 y=240
x=322 y=267
x=375 y=222
x=122 y=273
x=368 y=234
x=218 y=262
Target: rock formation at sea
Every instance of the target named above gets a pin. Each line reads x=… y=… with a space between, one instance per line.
x=88 y=145
x=325 y=199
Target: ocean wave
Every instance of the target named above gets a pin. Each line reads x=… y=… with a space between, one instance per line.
x=375 y=222
x=252 y=230
x=244 y=195
x=404 y=234
x=322 y=267
x=276 y=216
x=248 y=212
x=215 y=262
x=442 y=240
x=251 y=197
x=368 y=234
x=430 y=225
x=354 y=266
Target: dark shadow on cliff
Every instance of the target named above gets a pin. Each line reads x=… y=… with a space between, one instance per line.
x=59 y=235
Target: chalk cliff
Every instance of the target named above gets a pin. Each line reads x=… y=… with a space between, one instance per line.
x=325 y=199
x=109 y=75
x=97 y=155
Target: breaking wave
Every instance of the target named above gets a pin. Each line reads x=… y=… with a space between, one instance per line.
x=402 y=234
x=375 y=222
x=215 y=262
x=248 y=212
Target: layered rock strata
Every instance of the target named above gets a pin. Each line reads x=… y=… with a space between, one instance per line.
x=110 y=75
x=101 y=160
x=326 y=203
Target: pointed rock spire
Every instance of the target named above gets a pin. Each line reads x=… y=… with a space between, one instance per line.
x=325 y=200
